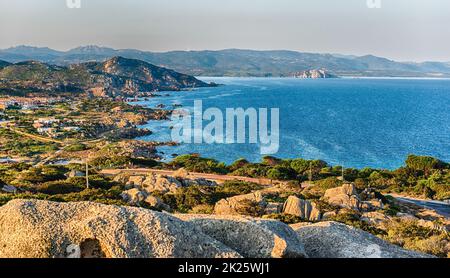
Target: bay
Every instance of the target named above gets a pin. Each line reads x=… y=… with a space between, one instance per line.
x=352 y=122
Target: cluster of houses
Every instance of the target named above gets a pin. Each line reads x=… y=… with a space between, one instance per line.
x=54 y=127
x=27 y=103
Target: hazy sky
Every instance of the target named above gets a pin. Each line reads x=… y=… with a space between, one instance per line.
x=401 y=29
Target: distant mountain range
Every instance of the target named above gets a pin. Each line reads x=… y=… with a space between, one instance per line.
x=115 y=76
x=236 y=62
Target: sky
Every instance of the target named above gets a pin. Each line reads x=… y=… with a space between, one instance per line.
x=403 y=30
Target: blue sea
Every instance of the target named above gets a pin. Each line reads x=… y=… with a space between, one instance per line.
x=352 y=122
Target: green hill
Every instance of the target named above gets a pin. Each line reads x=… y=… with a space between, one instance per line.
x=118 y=75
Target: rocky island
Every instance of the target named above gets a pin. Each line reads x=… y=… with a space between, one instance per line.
x=314 y=74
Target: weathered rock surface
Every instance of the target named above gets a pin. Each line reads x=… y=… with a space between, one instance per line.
x=375 y=218
x=329 y=215
x=273 y=208
x=157 y=203
x=155 y=182
x=134 y=148
x=251 y=237
x=133 y=196
x=160 y=183
x=181 y=173
x=302 y=208
x=344 y=196
x=40 y=229
x=337 y=240
x=235 y=205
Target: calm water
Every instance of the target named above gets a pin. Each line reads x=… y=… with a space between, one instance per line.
x=354 y=122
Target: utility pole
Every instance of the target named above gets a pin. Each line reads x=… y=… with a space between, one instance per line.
x=87 y=174
x=310 y=172
x=343 y=179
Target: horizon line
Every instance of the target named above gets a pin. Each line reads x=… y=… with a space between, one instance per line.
x=223 y=49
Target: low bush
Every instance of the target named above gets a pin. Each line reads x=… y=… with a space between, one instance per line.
x=410 y=235
x=76 y=147
x=285 y=218
x=194 y=163
x=58 y=187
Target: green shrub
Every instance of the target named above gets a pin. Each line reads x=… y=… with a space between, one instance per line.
x=351 y=218
x=424 y=163
x=58 y=187
x=328 y=183
x=249 y=208
x=238 y=164
x=410 y=235
x=36 y=175
x=251 y=170
x=233 y=188
x=280 y=173
x=194 y=163
x=285 y=218
x=111 y=161
x=76 y=147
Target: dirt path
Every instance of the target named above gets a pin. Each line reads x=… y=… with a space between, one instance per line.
x=36 y=137
x=214 y=177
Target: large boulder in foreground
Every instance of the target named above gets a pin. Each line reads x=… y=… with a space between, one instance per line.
x=42 y=229
x=337 y=240
x=251 y=237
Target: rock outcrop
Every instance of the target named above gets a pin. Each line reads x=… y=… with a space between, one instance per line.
x=161 y=183
x=135 y=197
x=302 y=208
x=41 y=229
x=134 y=148
x=375 y=218
x=157 y=203
x=337 y=240
x=238 y=204
x=250 y=237
x=344 y=197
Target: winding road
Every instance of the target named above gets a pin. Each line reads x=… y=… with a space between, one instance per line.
x=442 y=208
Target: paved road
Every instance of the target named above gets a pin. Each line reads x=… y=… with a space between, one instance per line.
x=221 y=178
x=442 y=208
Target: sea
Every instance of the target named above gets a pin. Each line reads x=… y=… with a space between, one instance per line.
x=354 y=122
